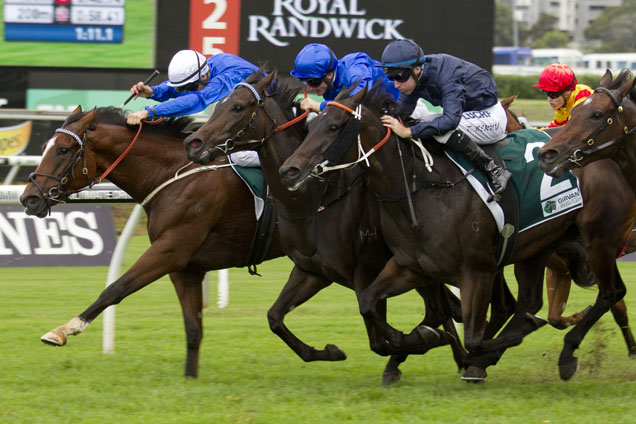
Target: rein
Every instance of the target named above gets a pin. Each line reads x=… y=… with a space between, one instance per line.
x=230 y=144
x=580 y=154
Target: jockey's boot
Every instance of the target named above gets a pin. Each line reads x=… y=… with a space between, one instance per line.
x=498 y=176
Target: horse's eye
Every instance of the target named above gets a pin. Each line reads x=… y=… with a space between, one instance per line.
x=239 y=108
x=334 y=128
x=63 y=150
x=597 y=114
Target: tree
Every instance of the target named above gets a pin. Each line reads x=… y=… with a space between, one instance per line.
x=503 y=24
x=614 y=28
x=544 y=24
x=552 y=39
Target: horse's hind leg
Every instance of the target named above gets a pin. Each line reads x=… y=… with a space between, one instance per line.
x=502 y=306
x=189 y=290
x=300 y=287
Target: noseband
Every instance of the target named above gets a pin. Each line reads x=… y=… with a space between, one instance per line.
x=580 y=154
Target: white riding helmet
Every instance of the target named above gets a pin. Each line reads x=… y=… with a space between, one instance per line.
x=186 y=66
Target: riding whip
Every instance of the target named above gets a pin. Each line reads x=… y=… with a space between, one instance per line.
x=150 y=78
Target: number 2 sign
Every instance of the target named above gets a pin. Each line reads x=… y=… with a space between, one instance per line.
x=214 y=26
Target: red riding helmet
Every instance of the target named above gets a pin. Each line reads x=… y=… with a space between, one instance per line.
x=556 y=77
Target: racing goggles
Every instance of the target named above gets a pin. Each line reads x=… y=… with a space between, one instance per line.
x=193 y=86
x=399 y=75
x=553 y=94
x=313 y=82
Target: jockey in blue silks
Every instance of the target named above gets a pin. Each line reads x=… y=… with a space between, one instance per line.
x=194 y=83
x=326 y=75
x=471 y=114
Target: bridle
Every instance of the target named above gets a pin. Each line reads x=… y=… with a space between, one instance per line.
x=580 y=154
x=323 y=167
x=232 y=143
x=55 y=191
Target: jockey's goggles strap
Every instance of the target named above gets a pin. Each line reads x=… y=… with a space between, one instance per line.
x=249 y=86
x=72 y=134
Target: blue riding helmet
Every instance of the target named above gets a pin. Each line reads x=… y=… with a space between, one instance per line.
x=314 y=61
x=403 y=53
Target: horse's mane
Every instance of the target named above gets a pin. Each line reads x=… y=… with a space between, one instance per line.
x=283 y=90
x=379 y=101
x=115 y=116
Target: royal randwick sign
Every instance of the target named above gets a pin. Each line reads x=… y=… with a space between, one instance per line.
x=274 y=31
x=72 y=235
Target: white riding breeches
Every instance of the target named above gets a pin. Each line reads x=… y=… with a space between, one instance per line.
x=483 y=126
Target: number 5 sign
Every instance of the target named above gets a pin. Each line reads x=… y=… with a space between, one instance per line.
x=214 y=26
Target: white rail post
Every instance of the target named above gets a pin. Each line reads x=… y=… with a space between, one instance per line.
x=108 y=336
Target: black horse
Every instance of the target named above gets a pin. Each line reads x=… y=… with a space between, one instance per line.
x=330 y=228
x=439 y=228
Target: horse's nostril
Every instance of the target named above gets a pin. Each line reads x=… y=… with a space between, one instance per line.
x=291 y=172
x=195 y=144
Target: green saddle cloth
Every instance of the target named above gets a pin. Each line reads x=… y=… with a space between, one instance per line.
x=540 y=196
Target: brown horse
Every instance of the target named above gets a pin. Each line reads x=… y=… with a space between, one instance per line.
x=439 y=228
x=591 y=135
x=204 y=221
x=330 y=229
x=570 y=263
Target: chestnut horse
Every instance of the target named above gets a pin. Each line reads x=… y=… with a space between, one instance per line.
x=330 y=229
x=602 y=128
x=203 y=221
x=439 y=228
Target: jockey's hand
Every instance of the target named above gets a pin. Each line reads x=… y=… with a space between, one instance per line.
x=310 y=104
x=141 y=90
x=136 y=117
x=396 y=126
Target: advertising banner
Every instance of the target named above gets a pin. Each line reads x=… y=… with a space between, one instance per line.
x=72 y=235
x=274 y=31
x=14 y=139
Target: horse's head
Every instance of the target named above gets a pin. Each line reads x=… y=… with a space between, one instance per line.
x=64 y=168
x=236 y=123
x=596 y=128
x=331 y=139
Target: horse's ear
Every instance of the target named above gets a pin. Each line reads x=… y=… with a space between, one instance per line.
x=89 y=117
x=508 y=101
x=627 y=87
x=78 y=109
x=264 y=83
x=607 y=79
x=356 y=99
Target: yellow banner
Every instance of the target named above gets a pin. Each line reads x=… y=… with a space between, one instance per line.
x=13 y=140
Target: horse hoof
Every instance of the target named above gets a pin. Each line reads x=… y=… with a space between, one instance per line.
x=427 y=336
x=392 y=377
x=537 y=320
x=53 y=338
x=335 y=353
x=567 y=371
x=474 y=374
x=631 y=354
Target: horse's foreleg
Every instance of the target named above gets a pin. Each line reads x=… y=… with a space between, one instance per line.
x=156 y=262
x=558 y=284
x=189 y=291
x=300 y=287
x=611 y=290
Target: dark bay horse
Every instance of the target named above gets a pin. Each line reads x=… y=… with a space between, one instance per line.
x=330 y=229
x=438 y=227
x=203 y=221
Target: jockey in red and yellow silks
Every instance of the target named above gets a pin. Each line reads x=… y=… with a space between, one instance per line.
x=559 y=83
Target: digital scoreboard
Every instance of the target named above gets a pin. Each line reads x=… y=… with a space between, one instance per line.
x=81 y=21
